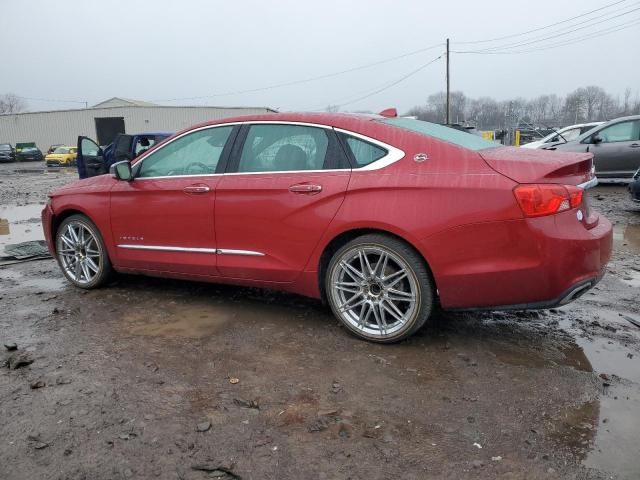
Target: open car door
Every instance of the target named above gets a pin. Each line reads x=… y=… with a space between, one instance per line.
x=90 y=158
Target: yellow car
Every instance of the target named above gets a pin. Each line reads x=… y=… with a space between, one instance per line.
x=62 y=157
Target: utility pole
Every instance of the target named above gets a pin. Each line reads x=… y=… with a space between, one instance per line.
x=448 y=101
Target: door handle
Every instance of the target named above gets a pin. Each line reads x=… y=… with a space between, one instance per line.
x=305 y=188
x=196 y=189
x=635 y=145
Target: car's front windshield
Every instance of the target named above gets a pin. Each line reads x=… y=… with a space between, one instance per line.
x=61 y=150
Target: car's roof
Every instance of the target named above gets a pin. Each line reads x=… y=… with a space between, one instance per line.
x=344 y=120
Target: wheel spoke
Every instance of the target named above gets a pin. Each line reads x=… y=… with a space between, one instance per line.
x=394 y=278
x=393 y=310
x=351 y=271
x=72 y=234
x=381 y=265
x=67 y=241
x=91 y=264
x=349 y=287
x=364 y=262
x=85 y=270
x=400 y=296
x=81 y=235
x=381 y=325
x=353 y=302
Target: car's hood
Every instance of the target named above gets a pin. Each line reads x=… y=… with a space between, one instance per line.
x=540 y=166
x=58 y=155
x=101 y=183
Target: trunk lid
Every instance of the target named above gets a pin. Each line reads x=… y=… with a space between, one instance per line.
x=525 y=165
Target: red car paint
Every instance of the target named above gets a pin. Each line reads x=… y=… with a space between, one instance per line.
x=457 y=209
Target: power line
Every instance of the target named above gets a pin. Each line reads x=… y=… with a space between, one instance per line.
x=539 y=39
x=571 y=41
x=307 y=80
x=544 y=27
x=350 y=101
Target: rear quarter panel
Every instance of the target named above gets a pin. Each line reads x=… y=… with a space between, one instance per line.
x=420 y=200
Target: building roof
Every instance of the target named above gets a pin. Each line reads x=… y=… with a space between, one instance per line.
x=123 y=102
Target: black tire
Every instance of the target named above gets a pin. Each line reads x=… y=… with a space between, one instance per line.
x=377 y=290
x=104 y=268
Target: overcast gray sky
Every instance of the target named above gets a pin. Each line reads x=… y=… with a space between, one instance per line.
x=157 y=50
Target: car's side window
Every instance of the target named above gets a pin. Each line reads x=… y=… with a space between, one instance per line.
x=363 y=152
x=196 y=153
x=282 y=147
x=621 y=132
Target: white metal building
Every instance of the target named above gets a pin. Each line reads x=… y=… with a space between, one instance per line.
x=104 y=120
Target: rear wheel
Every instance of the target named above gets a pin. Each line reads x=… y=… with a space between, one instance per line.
x=379 y=288
x=81 y=253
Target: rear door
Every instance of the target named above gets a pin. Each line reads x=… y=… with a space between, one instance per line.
x=163 y=220
x=284 y=186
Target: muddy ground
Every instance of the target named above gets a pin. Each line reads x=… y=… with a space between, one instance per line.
x=152 y=378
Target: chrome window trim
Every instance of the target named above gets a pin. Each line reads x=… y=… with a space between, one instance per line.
x=217 y=251
x=394 y=154
x=589 y=184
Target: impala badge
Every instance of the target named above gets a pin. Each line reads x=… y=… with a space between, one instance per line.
x=420 y=157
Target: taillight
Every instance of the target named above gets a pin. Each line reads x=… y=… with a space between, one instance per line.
x=537 y=200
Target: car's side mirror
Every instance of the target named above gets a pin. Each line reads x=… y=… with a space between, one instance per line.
x=121 y=171
x=595 y=138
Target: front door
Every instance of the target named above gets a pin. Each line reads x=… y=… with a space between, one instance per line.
x=286 y=184
x=618 y=153
x=90 y=158
x=163 y=220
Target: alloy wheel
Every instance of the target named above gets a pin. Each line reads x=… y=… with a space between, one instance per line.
x=79 y=253
x=375 y=291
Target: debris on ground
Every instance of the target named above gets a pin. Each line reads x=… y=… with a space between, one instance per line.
x=246 y=403
x=11 y=346
x=203 y=426
x=37 y=384
x=18 y=360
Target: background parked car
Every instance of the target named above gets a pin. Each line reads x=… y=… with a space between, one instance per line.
x=53 y=147
x=634 y=187
x=95 y=160
x=563 y=135
x=7 y=153
x=62 y=156
x=28 y=152
x=615 y=146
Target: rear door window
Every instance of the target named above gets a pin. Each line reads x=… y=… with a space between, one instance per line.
x=283 y=148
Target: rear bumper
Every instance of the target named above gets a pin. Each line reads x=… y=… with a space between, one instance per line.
x=520 y=264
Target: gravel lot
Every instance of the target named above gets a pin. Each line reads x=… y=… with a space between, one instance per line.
x=152 y=378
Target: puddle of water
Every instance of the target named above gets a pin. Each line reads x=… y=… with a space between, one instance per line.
x=627 y=236
x=616 y=438
x=20 y=223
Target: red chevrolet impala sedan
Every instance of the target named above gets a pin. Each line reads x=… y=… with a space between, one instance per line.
x=384 y=217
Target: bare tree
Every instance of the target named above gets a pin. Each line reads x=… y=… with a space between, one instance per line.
x=11 y=103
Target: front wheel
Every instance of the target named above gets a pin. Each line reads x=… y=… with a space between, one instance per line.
x=81 y=253
x=379 y=288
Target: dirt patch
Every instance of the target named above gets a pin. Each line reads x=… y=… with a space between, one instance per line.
x=152 y=378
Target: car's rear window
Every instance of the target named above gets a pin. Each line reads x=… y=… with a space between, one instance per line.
x=451 y=135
